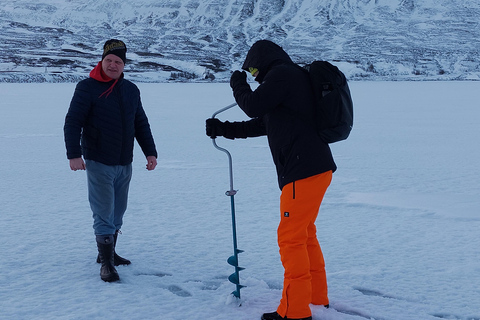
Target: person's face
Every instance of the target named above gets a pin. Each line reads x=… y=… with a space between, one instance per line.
x=113 y=66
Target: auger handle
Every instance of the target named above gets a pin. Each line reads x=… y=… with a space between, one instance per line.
x=231 y=191
x=224 y=109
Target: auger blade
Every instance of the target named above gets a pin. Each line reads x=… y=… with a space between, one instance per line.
x=236 y=293
x=233 y=261
x=233 y=278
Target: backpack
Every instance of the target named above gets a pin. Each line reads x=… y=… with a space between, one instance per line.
x=334 y=105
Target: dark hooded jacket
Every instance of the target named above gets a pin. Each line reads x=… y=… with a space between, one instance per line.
x=282 y=108
x=104 y=118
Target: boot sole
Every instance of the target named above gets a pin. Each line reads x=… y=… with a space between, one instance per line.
x=112 y=278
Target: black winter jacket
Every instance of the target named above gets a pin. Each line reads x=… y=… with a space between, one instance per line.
x=107 y=126
x=282 y=108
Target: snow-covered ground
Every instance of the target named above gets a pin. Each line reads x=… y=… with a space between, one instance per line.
x=399 y=225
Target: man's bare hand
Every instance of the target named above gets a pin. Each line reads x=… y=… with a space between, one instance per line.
x=151 y=163
x=77 y=164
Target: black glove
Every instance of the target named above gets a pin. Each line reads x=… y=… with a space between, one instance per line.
x=238 y=77
x=214 y=128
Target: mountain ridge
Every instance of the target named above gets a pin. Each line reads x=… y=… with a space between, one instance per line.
x=194 y=40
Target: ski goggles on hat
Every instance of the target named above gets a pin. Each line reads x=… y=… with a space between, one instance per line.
x=252 y=70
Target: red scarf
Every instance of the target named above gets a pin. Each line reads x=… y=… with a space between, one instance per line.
x=98 y=74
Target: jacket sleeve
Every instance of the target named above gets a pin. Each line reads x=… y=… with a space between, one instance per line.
x=75 y=120
x=143 y=133
x=245 y=129
x=274 y=89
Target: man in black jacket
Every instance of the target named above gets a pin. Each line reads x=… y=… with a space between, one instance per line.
x=104 y=118
x=282 y=108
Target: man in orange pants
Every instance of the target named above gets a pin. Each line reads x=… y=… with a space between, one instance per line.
x=282 y=108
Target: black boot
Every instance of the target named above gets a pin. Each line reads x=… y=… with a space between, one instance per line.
x=276 y=316
x=117 y=260
x=106 y=251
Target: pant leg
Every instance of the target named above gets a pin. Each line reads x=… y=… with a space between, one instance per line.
x=121 y=186
x=299 y=204
x=101 y=196
x=292 y=241
x=317 y=262
x=317 y=269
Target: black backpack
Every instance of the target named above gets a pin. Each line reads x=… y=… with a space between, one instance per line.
x=334 y=105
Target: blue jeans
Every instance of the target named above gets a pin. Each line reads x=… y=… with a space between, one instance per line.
x=108 y=195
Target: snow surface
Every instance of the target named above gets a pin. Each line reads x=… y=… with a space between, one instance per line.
x=399 y=225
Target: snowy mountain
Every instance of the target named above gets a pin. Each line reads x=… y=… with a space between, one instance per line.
x=204 y=40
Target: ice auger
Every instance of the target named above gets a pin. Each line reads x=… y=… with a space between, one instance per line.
x=233 y=260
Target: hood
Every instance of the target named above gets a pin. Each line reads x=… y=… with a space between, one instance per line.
x=263 y=55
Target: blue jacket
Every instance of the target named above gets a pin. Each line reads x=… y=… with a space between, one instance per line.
x=281 y=107
x=103 y=127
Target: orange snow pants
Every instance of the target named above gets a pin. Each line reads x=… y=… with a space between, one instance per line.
x=305 y=280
